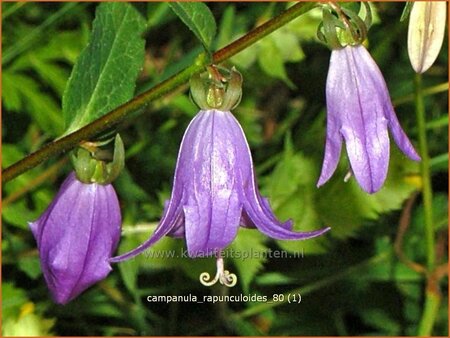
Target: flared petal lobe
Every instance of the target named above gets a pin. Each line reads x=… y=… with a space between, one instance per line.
x=359 y=110
x=76 y=236
x=256 y=208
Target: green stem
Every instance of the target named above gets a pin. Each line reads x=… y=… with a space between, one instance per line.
x=427 y=194
x=432 y=297
x=125 y=111
x=440 y=88
x=430 y=312
x=11 y=10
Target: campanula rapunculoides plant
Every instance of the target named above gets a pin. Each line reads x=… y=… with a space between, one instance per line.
x=214 y=189
x=80 y=230
x=359 y=112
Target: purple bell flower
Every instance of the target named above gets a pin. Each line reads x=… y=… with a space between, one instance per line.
x=360 y=112
x=215 y=191
x=76 y=236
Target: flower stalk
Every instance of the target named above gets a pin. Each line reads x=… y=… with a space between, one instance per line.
x=125 y=111
x=427 y=193
x=432 y=293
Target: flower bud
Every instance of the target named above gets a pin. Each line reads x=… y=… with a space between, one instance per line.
x=76 y=236
x=426 y=33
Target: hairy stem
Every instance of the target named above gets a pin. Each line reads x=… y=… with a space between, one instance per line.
x=131 y=108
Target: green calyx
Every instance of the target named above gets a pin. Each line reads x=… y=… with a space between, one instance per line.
x=347 y=28
x=94 y=165
x=219 y=89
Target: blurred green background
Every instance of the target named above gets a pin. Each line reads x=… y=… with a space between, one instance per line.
x=351 y=280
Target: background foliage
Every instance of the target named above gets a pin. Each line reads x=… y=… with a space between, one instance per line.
x=351 y=281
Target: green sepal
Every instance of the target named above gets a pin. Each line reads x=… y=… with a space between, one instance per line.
x=214 y=90
x=91 y=165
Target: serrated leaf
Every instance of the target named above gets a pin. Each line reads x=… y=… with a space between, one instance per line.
x=247 y=252
x=347 y=213
x=104 y=75
x=198 y=17
x=291 y=190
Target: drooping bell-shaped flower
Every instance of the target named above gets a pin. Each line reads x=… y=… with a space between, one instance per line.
x=76 y=236
x=359 y=111
x=426 y=32
x=214 y=189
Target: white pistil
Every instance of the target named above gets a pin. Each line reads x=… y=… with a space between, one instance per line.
x=223 y=276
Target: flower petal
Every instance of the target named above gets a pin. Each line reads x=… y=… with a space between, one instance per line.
x=166 y=224
x=256 y=208
x=213 y=210
x=333 y=142
x=76 y=236
x=370 y=73
x=103 y=239
x=400 y=138
x=364 y=122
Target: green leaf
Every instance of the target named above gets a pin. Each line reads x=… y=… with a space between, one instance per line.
x=29 y=324
x=406 y=10
x=130 y=268
x=271 y=60
x=13 y=299
x=23 y=93
x=347 y=213
x=104 y=76
x=19 y=214
x=30 y=265
x=291 y=189
x=19 y=314
x=248 y=253
x=198 y=17
x=274 y=278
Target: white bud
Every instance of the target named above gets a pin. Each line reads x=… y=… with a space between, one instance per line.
x=426 y=33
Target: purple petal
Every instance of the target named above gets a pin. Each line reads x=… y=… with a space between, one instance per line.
x=358 y=99
x=365 y=128
x=333 y=143
x=212 y=210
x=167 y=223
x=400 y=137
x=246 y=222
x=173 y=210
x=255 y=206
x=370 y=69
x=76 y=236
x=359 y=108
x=269 y=225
